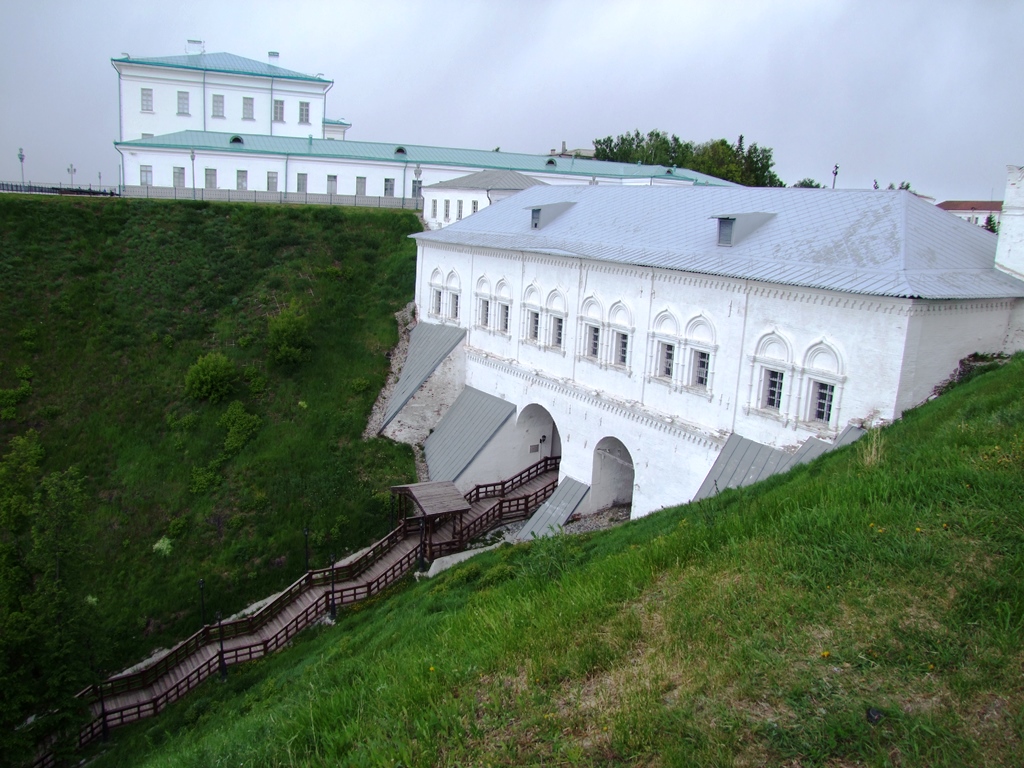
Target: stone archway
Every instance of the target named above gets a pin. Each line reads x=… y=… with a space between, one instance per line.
x=612 y=480
x=536 y=436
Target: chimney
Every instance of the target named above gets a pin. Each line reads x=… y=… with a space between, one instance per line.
x=273 y=57
x=1010 y=248
x=193 y=47
x=563 y=147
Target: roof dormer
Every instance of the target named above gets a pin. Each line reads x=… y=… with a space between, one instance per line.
x=542 y=215
x=735 y=227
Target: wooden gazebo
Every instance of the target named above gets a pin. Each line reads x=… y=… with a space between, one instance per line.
x=433 y=505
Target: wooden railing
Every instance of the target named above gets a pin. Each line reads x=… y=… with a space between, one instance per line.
x=505 y=487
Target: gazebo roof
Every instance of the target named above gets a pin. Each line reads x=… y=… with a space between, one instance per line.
x=434 y=499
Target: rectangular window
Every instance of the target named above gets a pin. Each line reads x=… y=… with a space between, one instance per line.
x=435 y=301
x=823 y=394
x=476 y=206
x=147 y=99
x=535 y=218
x=433 y=209
x=417 y=188
x=504 y=312
x=666 y=358
x=725 y=231
x=557 y=329
x=146 y=175
x=454 y=313
x=183 y=103
x=621 y=348
x=361 y=185
x=389 y=187
x=332 y=185
x=701 y=368
x=179 y=176
x=458 y=211
x=241 y=180
x=300 y=182
x=147 y=135
x=447 y=209
x=278 y=110
x=772 y=390
x=248 y=110
x=533 y=325
x=304 y=112
x=218 y=105
x=485 y=313
x=593 y=341
x=211 y=178
x=271 y=181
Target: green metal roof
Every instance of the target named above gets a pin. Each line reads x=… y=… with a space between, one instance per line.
x=222 y=62
x=417 y=154
x=328 y=121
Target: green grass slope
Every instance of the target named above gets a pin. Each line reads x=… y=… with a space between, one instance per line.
x=866 y=609
x=104 y=308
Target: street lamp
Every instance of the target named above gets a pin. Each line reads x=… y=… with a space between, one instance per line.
x=305 y=532
x=71 y=170
x=223 y=666
x=192 y=157
x=202 y=602
x=21 y=159
x=835 y=172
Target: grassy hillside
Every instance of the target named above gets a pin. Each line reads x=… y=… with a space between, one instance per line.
x=866 y=609
x=104 y=308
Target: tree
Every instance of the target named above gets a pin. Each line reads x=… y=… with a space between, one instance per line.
x=750 y=166
x=904 y=185
x=991 y=224
x=807 y=183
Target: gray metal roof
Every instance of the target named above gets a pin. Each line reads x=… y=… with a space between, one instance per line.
x=743 y=462
x=490 y=179
x=424 y=155
x=875 y=242
x=463 y=432
x=221 y=62
x=555 y=511
x=428 y=345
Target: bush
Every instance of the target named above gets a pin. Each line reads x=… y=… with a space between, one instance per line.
x=288 y=338
x=241 y=427
x=212 y=378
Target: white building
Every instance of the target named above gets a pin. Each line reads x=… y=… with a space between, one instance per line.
x=974 y=211
x=633 y=330
x=449 y=201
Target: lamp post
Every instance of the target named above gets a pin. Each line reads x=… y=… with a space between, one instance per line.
x=220 y=633
x=21 y=159
x=835 y=172
x=202 y=602
x=305 y=532
x=71 y=170
x=99 y=175
x=334 y=608
x=192 y=157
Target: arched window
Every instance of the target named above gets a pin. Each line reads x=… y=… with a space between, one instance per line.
x=453 y=291
x=592 y=330
x=436 y=293
x=771 y=374
x=484 y=304
x=554 y=318
x=822 y=386
x=620 y=322
x=504 y=307
x=531 y=315
x=665 y=348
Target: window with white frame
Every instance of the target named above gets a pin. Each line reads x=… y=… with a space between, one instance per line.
x=248 y=108
x=533 y=325
x=300 y=182
x=771 y=389
x=476 y=206
x=211 y=178
x=458 y=211
x=484 y=320
x=271 y=181
x=361 y=186
x=183 y=103
x=592 y=338
x=278 y=110
x=822 y=395
x=447 y=209
x=666 y=360
x=453 y=306
x=241 y=180
x=332 y=184
x=217 y=109
x=147 y=99
x=435 y=301
x=621 y=349
x=304 y=112
x=179 y=176
x=433 y=209
x=557 y=332
x=146 y=175
x=504 y=317
x=700 y=369
x=389 y=187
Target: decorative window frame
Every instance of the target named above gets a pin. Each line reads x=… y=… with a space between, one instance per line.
x=698 y=336
x=555 y=309
x=503 y=307
x=452 y=301
x=484 y=305
x=435 y=303
x=823 y=364
x=531 y=304
x=773 y=352
x=591 y=316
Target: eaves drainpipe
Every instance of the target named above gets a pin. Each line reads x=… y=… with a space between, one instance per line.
x=120 y=107
x=323 y=127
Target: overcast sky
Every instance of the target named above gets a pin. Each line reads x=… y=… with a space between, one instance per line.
x=927 y=92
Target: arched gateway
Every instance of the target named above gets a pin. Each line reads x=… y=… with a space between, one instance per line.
x=536 y=436
x=612 y=480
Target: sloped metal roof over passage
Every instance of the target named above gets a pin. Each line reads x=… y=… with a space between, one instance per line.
x=434 y=498
x=428 y=345
x=466 y=428
x=555 y=511
x=743 y=462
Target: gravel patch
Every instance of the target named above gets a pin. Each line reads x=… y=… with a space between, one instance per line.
x=597 y=521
